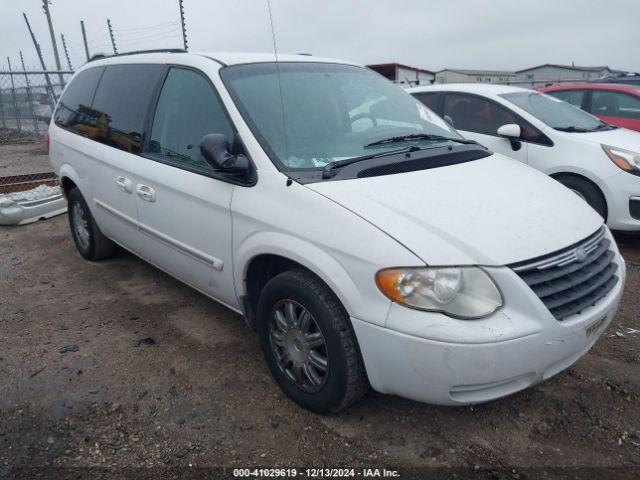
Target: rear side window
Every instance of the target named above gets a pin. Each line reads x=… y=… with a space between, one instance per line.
x=120 y=105
x=574 y=97
x=429 y=99
x=615 y=104
x=74 y=108
x=187 y=110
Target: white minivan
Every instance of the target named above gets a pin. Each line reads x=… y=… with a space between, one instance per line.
x=365 y=241
x=598 y=161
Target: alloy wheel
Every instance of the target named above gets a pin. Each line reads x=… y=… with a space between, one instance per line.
x=298 y=345
x=80 y=225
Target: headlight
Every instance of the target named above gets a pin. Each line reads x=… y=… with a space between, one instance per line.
x=461 y=292
x=625 y=159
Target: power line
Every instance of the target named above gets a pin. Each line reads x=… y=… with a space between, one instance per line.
x=145 y=34
x=152 y=35
x=142 y=29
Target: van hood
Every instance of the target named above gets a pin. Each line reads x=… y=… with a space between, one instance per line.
x=618 y=137
x=493 y=211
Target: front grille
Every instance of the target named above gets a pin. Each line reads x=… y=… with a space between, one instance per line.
x=573 y=279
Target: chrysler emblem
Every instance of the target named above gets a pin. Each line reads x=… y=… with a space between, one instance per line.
x=581 y=254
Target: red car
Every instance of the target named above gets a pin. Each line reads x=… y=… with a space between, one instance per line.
x=615 y=104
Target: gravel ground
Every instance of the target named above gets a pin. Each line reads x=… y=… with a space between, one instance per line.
x=23 y=158
x=113 y=365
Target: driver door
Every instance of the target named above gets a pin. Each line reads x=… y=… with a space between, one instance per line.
x=183 y=204
x=478 y=118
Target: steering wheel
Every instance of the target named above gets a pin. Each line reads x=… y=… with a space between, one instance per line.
x=359 y=116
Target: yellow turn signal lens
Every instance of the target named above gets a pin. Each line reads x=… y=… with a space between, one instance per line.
x=389 y=281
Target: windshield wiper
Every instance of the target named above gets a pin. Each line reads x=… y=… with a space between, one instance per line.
x=418 y=136
x=605 y=126
x=572 y=129
x=329 y=167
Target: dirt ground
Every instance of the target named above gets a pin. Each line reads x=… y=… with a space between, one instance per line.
x=83 y=392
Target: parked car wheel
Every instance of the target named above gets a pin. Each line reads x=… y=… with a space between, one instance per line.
x=89 y=240
x=587 y=191
x=307 y=339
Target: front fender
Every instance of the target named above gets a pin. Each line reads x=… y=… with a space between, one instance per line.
x=306 y=254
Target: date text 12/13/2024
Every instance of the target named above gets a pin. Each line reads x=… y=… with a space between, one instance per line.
x=315 y=473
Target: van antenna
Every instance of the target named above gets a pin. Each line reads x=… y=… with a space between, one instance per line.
x=284 y=118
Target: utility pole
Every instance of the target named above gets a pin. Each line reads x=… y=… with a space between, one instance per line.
x=66 y=51
x=45 y=7
x=113 y=40
x=184 y=27
x=84 y=39
x=50 y=92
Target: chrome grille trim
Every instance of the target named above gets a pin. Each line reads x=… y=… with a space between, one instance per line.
x=574 y=279
x=566 y=257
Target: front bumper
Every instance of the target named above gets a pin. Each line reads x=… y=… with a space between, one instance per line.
x=432 y=358
x=622 y=192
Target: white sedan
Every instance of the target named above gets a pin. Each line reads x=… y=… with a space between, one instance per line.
x=599 y=162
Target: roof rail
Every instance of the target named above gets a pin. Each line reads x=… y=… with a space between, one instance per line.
x=99 y=56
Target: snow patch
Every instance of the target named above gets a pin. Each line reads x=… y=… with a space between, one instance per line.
x=38 y=193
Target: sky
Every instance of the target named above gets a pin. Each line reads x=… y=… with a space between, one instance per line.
x=430 y=34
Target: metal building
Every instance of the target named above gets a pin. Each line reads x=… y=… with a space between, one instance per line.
x=404 y=74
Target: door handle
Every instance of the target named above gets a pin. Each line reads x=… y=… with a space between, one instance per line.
x=124 y=184
x=146 y=193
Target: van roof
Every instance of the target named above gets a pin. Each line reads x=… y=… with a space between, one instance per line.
x=223 y=58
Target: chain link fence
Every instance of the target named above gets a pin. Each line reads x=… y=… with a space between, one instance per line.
x=29 y=190
x=27 y=101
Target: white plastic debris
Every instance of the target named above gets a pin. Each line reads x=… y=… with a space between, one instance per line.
x=622 y=332
x=28 y=206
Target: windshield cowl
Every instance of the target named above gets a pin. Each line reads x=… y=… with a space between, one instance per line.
x=399 y=161
x=599 y=128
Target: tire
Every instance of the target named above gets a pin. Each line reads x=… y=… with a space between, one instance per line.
x=344 y=381
x=89 y=240
x=589 y=192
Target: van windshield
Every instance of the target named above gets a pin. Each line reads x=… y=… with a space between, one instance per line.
x=332 y=112
x=555 y=113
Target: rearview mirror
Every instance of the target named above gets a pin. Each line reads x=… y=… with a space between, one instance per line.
x=511 y=131
x=216 y=151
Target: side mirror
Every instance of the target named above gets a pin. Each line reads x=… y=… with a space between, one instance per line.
x=215 y=150
x=449 y=120
x=512 y=132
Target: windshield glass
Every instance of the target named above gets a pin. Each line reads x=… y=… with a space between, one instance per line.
x=554 y=112
x=331 y=111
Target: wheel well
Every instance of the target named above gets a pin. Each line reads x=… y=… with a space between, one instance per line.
x=262 y=269
x=561 y=175
x=67 y=185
